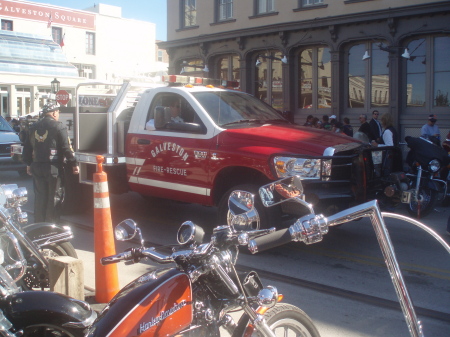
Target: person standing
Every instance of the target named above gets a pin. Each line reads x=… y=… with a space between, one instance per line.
x=365 y=127
x=347 y=128
x=430 y=129
x=46 y=147
x=326 y=125
x=375 y=126
x=390 y=135
x=309 y=120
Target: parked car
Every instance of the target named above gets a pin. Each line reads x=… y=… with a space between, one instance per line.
x=8 y=160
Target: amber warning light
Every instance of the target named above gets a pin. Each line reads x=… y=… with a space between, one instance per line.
x=189 y=81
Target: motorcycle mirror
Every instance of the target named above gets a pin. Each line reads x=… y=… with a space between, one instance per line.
x=281 y=190
x=242 y=214
x=6 y=192
x=19 y=197
x=126 y=230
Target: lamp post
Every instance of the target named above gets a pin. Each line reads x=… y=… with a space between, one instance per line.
x=55 y=86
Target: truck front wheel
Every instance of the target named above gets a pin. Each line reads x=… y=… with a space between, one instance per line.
x=269 y=216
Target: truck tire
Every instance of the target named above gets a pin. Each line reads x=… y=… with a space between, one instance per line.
x=269 y=216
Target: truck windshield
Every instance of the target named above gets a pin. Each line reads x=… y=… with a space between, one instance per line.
x=4 y=125
x=228 y=107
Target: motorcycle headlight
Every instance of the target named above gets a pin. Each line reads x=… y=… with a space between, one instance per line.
x=434 y=165
x=306 y=168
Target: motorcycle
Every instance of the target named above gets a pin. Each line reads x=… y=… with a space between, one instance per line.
x=36 y=313
x=195 y=296
x=38 y=241
x=40 y=313
x=426 y=161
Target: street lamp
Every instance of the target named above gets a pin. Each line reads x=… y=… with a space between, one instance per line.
x=55 y=86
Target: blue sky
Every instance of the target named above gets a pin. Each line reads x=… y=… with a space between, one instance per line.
x=146 y=10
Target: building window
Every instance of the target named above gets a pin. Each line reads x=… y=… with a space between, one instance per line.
x=160 y=56
x=265 y=6
x=315 y=78
x=269 y=79
x=86 y=70
x=90 y=43
x=428 y=81
x=193 y=67
x=57 y=34
x=7 y=25
x=229 y=68
x=225 y=10
x=441 y=71
x=189 y=13
x=368 y=80
x=308 y=3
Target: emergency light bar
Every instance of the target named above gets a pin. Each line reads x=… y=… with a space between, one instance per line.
x=189 y=81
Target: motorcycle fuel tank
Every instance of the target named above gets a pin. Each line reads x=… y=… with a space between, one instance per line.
x=158 y=303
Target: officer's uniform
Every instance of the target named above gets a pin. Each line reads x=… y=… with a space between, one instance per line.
x=46 y=146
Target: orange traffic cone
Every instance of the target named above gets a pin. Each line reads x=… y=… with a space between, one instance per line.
x=106 y=277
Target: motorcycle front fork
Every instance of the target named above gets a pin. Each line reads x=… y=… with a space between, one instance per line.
x=418 y=179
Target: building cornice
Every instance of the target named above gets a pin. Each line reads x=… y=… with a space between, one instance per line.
x=353 y=18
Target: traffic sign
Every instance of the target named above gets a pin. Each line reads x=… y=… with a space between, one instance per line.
x=62 y=97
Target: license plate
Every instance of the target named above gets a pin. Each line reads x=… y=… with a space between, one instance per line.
x=377 y=157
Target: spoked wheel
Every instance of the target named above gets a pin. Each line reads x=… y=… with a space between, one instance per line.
x=36 y=277
x=288 y=320
x=48 y=331
x=428 y=199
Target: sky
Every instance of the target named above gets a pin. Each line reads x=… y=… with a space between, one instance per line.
x=154 y=11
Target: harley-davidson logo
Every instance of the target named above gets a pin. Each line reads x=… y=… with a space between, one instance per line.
x=144 y=326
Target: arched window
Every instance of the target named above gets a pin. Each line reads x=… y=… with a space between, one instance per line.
x=369 y=76
x=428 y=72
x=229 y=68
x=314 y=78
x=269 y=78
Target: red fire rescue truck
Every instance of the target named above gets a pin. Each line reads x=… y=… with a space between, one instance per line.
x=228 y=140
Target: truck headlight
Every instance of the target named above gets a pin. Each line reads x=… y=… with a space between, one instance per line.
x=306 y=168
x=434 y=165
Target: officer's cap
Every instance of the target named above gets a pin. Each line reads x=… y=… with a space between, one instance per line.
x=50 y=107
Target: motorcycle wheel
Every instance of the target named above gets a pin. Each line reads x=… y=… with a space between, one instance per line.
x=428 y=199
x=288 y=320
x=38 y=278
x=268 y=216
x=48 y=331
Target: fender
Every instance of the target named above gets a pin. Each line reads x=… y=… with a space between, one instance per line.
x=43 y=307
x=45 y=233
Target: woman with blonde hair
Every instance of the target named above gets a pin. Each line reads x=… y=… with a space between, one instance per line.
x=389 y=136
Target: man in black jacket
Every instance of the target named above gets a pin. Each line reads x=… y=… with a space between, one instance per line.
x=365 y=127
x=45 y=148
x=375 y=127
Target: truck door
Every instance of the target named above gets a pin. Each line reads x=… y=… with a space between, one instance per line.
x=171 y=162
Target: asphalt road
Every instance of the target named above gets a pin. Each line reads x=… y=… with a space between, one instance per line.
x=341 y=282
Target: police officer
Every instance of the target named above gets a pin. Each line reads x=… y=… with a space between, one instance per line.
x=45 y=148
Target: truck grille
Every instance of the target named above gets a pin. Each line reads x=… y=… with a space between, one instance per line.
x=5 y=150
x=375 y=162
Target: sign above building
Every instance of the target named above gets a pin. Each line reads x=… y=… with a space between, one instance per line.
x=46 y=14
